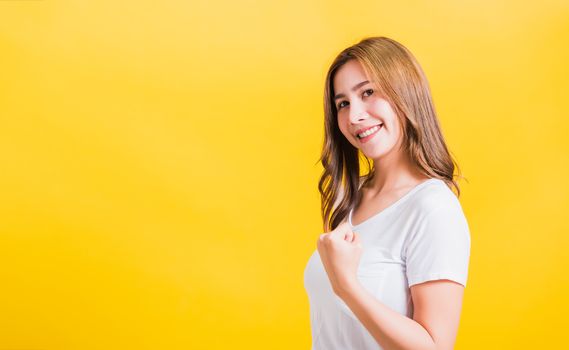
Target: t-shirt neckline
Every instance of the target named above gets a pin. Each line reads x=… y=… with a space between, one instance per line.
x=392 y=205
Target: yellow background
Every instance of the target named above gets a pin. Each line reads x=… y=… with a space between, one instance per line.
x=158 y=165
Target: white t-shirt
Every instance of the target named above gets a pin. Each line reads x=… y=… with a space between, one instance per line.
x=422 y=236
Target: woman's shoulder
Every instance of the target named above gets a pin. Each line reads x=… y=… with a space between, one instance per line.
x=434 y=194
x=436 y=210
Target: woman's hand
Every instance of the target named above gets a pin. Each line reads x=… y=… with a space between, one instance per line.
x=340 y=251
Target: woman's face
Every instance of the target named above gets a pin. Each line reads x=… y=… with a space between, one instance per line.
x=361 y=109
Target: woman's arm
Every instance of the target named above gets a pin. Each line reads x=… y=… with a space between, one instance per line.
x=437 y=306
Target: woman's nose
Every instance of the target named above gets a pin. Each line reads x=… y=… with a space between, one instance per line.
x=357 y=112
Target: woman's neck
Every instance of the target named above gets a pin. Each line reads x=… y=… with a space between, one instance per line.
x=394 y=172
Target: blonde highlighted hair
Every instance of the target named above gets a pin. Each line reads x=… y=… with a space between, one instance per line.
x=402 y=82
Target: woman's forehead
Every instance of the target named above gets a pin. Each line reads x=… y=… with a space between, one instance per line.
x=348 y=75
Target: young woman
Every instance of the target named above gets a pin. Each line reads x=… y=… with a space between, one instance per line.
x=390 y=271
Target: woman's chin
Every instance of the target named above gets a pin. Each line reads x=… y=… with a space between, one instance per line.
x=374 y=155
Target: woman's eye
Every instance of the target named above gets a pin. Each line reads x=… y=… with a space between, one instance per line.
x=340 y=106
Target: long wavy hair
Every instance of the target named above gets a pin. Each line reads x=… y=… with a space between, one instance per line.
x=402 y=82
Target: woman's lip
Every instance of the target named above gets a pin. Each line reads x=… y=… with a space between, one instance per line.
x=365 y=129
x=368 y=137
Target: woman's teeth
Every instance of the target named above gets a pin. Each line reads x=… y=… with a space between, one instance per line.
x=369 y=132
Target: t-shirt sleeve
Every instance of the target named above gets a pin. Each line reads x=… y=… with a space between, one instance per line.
x=440 y=247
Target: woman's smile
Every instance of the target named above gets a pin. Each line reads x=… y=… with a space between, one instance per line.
x=369 y=134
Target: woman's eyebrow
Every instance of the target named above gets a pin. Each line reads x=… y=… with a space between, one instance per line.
x=353 y=89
